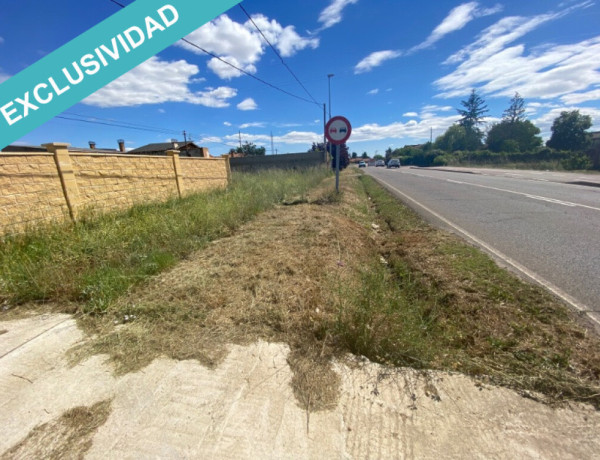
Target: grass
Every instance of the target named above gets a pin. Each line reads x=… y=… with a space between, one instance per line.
x=439 y=303
x=325 y=273
x=100 y=257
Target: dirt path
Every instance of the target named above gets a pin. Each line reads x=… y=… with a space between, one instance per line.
x=245 y=408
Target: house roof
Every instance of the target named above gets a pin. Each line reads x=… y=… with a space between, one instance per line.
x=164 y=146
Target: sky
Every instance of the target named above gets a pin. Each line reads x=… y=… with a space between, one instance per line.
x=400 y=70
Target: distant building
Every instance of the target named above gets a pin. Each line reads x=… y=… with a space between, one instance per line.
x=188 y=149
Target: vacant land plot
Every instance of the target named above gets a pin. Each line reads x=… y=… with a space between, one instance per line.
x=327 y=275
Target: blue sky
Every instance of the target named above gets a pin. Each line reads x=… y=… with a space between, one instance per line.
x=400 y=70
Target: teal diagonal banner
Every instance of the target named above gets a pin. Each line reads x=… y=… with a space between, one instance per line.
x=97 y=57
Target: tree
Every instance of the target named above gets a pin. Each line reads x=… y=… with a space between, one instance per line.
x=513 y=136
x=344 y=158
x=516 y=110
x=364 y=155
x=354 y=155
x=473 y=114
x=568 y=131
x=457 y=137
x=388 y=154
x=472 y=117
x=249 y=149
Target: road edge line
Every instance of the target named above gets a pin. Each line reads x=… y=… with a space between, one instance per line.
x=582 y=309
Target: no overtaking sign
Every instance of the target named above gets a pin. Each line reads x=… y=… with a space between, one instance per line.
x=338 y=130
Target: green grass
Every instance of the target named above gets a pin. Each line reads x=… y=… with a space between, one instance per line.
x=101 y=256
x=439 y=303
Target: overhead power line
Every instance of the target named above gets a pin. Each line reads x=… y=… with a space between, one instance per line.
x=277 y=53
x=238 y=68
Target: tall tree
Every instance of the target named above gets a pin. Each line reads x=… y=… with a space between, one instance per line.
x=473 y=113
x=516 y=110
x=568 y=131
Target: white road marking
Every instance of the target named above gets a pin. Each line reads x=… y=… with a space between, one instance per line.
x=534 y=197
x=513 y=263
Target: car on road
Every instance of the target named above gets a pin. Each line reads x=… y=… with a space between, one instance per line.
x=362 y=164
x=379 y=163
x=393 y=163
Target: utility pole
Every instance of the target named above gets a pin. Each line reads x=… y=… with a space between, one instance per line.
x=240 y=136
x=184 y=137
x=272 y=146
x=329 y=82
x=324 y=138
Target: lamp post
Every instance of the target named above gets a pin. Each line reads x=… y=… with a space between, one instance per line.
x=329 y=84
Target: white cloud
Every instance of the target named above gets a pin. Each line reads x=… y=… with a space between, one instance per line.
x=373 y=92
x=247 y=104
x=458 y=18
x=499 y=68
x=1 y=40
x=332 y=15
x=3 y=77
x=578 y=98
x=375 y=60
x=410 y=114
x=256 y=124
x=242 y=45
x=285 y=39
x=226 y=123
x=155 y=82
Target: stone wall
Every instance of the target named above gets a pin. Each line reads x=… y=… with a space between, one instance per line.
x=37 y=188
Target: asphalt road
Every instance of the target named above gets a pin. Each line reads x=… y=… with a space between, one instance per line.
x=538 y=223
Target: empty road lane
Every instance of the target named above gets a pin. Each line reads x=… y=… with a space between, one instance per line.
x=547 y=230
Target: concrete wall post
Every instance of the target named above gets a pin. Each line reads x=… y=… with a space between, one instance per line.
x=66 y=174
x=178 y=172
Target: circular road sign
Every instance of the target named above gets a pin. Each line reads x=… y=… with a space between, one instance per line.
x=338 y=130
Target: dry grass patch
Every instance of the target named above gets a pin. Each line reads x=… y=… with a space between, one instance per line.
x=69 y=436
x=272 y=280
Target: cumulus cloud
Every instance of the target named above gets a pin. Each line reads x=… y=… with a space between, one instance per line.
x=226 y=123
x=242 y=45
x=332 y=15
x=499 y=67
x=247 y=104
x=375 y=60
x=155 y=82
x=410 y=114
x=373 y=92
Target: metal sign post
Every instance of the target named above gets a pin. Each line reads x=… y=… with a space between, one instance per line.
x=337 y=131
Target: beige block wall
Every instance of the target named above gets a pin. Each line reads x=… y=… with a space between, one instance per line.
x=203 y=173
x=30 y=191
x=108 y=182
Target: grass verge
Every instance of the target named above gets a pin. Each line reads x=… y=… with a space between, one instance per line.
x=100 y=257
x=438 y=303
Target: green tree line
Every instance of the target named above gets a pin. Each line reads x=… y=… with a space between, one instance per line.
x=513 y=140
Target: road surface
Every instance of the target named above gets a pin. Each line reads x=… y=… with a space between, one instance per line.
x=543 y=224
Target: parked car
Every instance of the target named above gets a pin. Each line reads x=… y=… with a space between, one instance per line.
x=393 y=163
x=362 y=164
x=379 y=163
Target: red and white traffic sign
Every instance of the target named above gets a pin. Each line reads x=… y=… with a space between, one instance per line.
x=338 y=130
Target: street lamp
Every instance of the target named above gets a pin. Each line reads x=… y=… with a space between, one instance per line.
x=329 y=82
